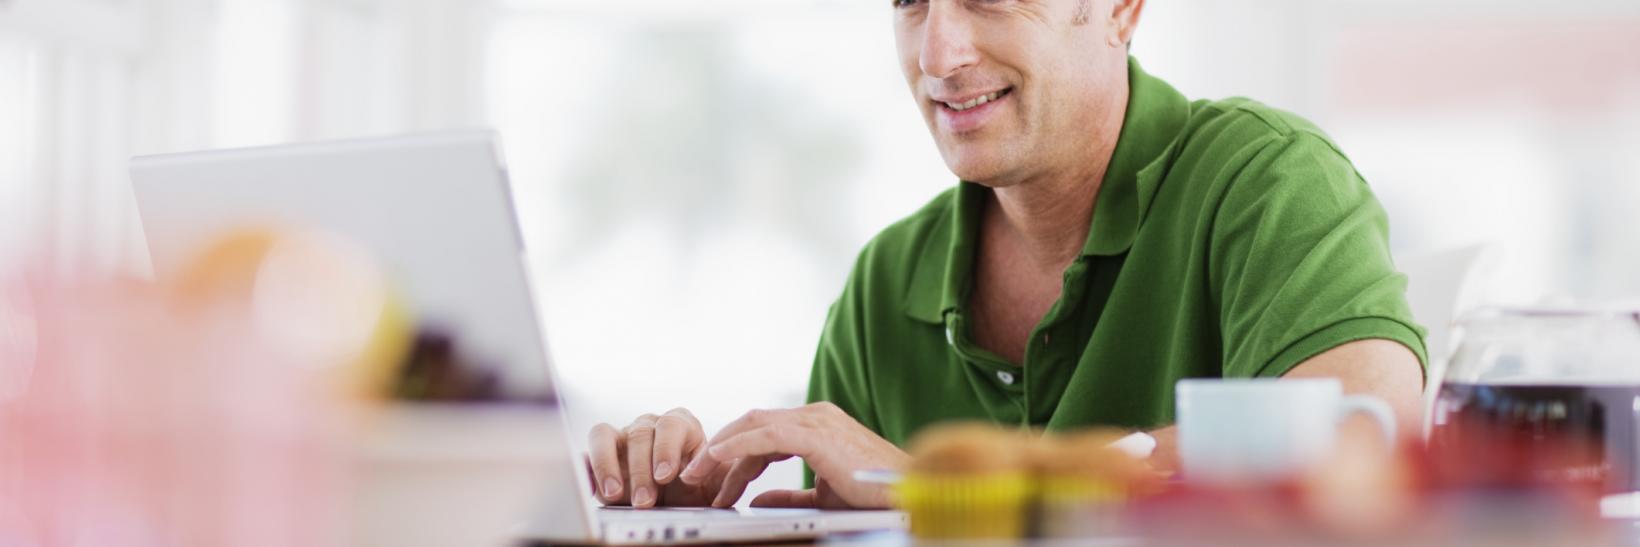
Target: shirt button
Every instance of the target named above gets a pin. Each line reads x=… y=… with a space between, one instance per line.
x=1006 y=377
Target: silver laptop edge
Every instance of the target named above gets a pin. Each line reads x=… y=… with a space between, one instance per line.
x=380 y=191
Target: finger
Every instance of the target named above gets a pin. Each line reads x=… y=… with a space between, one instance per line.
x=703 y=464
x=700 y=467
x=787 y=498
x=640 y=442
x=773 y=439
x=675 y=432
x=604 y=457
x=755 y=420
x=741 y=473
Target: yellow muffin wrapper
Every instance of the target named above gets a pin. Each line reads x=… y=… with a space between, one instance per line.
x=966 y=507
x=1079 y=490
x=997 y=506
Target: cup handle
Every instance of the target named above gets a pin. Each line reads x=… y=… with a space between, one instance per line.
x=1373 y=407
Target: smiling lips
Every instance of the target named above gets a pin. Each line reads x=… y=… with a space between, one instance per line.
x=969 y=114
x=976 y=101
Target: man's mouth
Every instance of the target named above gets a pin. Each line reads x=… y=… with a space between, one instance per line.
x=976 y=101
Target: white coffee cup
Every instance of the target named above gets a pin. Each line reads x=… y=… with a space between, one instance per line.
x=1240 y=431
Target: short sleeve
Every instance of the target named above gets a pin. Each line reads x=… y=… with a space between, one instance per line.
x=1300 y=261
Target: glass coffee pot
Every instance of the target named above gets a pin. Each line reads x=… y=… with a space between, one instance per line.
x=1544 y=395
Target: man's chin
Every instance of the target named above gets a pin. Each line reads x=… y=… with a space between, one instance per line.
x=984 y=165
x=988 y=174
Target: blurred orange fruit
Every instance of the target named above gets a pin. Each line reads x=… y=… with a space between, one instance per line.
x=316 y=295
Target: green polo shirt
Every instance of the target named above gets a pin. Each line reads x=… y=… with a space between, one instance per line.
x=1229 y=239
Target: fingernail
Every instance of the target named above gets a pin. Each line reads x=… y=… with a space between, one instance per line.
x=663 y=470
x=612 y=488
x=641 y=496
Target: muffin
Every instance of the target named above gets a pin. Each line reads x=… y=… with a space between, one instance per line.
x=968 y=481
x=1082 y=483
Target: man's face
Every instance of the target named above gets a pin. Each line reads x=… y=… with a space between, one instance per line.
x=1012 y=89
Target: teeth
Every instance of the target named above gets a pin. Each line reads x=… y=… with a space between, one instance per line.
x=976 y=101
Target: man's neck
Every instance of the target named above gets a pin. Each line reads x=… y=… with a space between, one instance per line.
x=1049 y=217
x=1046 y=219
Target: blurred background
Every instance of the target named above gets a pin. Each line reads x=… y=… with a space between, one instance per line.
x=694 y=178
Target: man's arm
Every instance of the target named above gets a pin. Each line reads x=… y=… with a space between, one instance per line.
x=1381 y=368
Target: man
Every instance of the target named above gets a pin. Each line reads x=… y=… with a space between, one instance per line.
x=1109 y=238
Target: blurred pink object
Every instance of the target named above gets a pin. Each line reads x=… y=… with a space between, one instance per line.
x=127 y=419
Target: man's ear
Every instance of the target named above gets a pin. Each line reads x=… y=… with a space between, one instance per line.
x=1124 y=20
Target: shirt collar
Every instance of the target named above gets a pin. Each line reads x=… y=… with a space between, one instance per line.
x=1156 y=116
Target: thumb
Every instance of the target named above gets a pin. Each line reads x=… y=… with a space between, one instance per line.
x=787 y=498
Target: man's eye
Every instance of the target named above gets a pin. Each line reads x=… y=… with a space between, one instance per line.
x=904 y=3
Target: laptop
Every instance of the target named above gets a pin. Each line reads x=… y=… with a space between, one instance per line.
x=436 y=210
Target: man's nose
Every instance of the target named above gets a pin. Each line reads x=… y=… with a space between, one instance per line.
x=948 y=45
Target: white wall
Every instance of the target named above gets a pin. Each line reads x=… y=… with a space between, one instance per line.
x=97 y=81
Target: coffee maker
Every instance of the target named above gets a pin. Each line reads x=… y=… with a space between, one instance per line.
x=1547 y=394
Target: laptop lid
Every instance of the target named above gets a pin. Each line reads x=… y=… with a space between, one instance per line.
x=435 y=210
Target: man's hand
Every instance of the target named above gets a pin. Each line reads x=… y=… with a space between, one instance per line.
x=639 y=464
x=828 y=439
